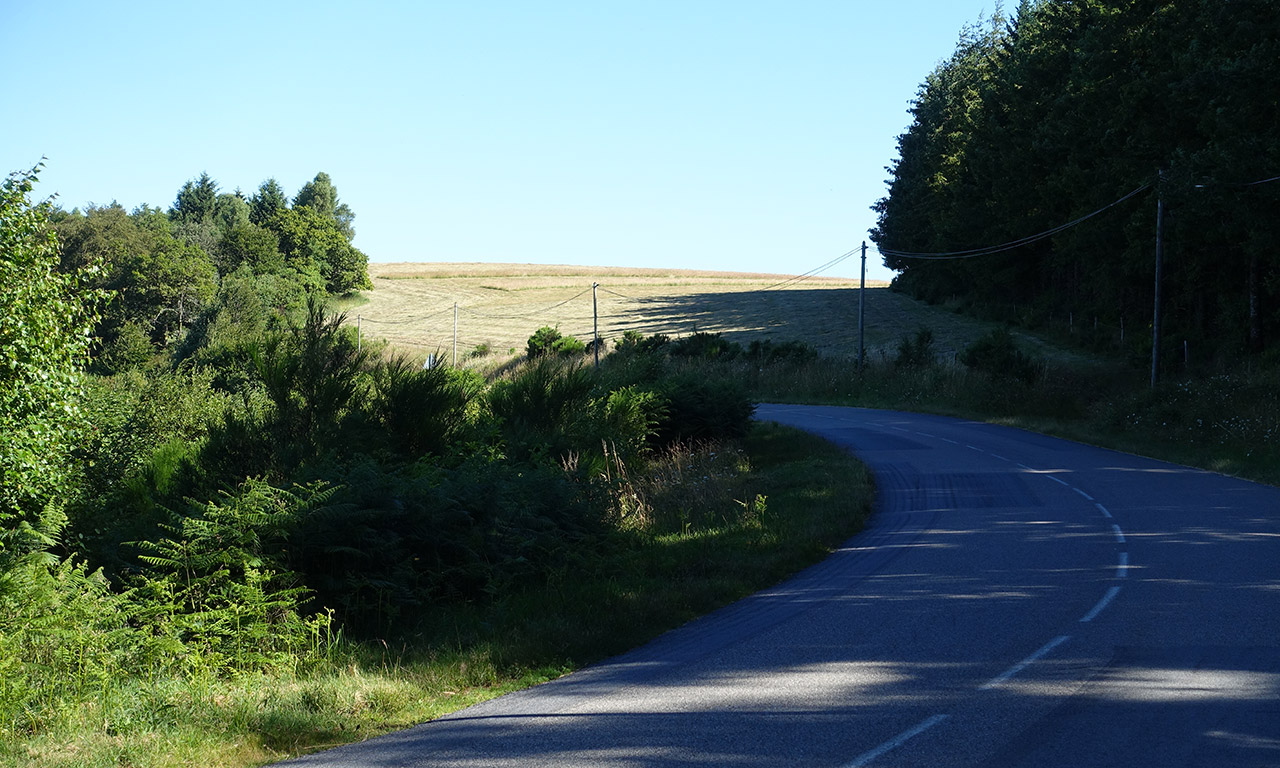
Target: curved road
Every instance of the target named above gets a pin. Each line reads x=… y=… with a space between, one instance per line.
x=1017 y=601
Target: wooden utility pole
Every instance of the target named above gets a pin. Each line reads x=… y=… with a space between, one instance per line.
x=862 y=306
x=1155 y=319
x=595 y=323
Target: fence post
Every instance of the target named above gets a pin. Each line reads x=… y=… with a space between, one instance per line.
x=595 y=323
x=455 y=334
x=358 y=337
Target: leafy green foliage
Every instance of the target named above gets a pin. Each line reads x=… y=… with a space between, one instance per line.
x=252 y=246
x=767 y=351
x=423 y=411
x=44 y=324
x=916 y=351
x=64 y=636
x=707 y=346
x=307 y=236
x=155 y=282
x=267 y=202
x=704 y=407
x=542 y=410
x=196 y=201
x=542 y=341
x=211 y=587
x=997 y=355
x=321 y=196
x=131 y=348
x=311 y=373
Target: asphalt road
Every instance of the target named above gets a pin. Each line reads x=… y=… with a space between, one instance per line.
x=1017 y=601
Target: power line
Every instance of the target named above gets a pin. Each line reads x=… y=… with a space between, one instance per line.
x=811 y=273
x=525 y=315
x=988 y=250
x=1210 y=184
x=615 y=293
x=404 y=322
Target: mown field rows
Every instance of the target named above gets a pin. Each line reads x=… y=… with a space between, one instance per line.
x=500 y=305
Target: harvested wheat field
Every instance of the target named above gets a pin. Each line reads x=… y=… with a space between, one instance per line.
x=500 y=305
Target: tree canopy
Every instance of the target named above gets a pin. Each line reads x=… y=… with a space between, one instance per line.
x=1039 y=119
x=162 y=272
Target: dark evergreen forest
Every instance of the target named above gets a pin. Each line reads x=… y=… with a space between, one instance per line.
x=1066 y=106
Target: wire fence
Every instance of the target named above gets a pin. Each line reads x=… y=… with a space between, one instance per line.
x=826 y=319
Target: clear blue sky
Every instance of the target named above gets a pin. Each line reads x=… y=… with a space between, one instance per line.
x=734 y=135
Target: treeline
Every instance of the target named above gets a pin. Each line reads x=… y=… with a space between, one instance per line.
x=1039 y=119
x=243 y=479
x=159 y=274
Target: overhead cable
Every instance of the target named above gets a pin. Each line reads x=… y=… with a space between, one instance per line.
x=524 y=315
x=404 y=322
x=615 y=293
x=811 y=273
x=988 y=250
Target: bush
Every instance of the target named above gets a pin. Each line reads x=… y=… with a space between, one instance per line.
x=703 y=407
x=542 y=341
x=916 y=352
x=567 y=346
x=215 y=586
x=542 y=410
x=996 y=355
x=131 y=348
x=422 y=410
x=628 y=419
x=706 y=346
x=788 y=351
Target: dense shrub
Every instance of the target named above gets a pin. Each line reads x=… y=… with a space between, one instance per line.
x=542 y=342
x=422 y=410
x=706 y=346
x=767 y=351
x=543 y=409
x=704 y=407
x=917 y=351
x=634 y=342
x=567 y=346
x=548 y=341
x=996 y=355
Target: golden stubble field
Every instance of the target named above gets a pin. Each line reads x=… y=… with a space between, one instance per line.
x=501 y=305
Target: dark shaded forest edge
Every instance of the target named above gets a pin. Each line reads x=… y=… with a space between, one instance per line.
x=1051 y=114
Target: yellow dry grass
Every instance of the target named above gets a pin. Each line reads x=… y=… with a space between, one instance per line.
x=501 y=305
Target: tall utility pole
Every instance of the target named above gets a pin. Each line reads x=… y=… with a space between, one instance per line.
x=1155 y=319
x=595 y=323
x=862 y=305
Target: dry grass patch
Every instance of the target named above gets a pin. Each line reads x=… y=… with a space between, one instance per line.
x=501 y=305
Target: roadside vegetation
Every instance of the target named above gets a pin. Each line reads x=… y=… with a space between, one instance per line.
x=232 y=529
x=1226 y=420
x=230 y=532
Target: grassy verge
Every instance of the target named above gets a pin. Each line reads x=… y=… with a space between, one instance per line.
x=1227 y=423
x=708 y=526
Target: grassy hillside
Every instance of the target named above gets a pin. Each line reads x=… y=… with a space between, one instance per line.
x=500 y=305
